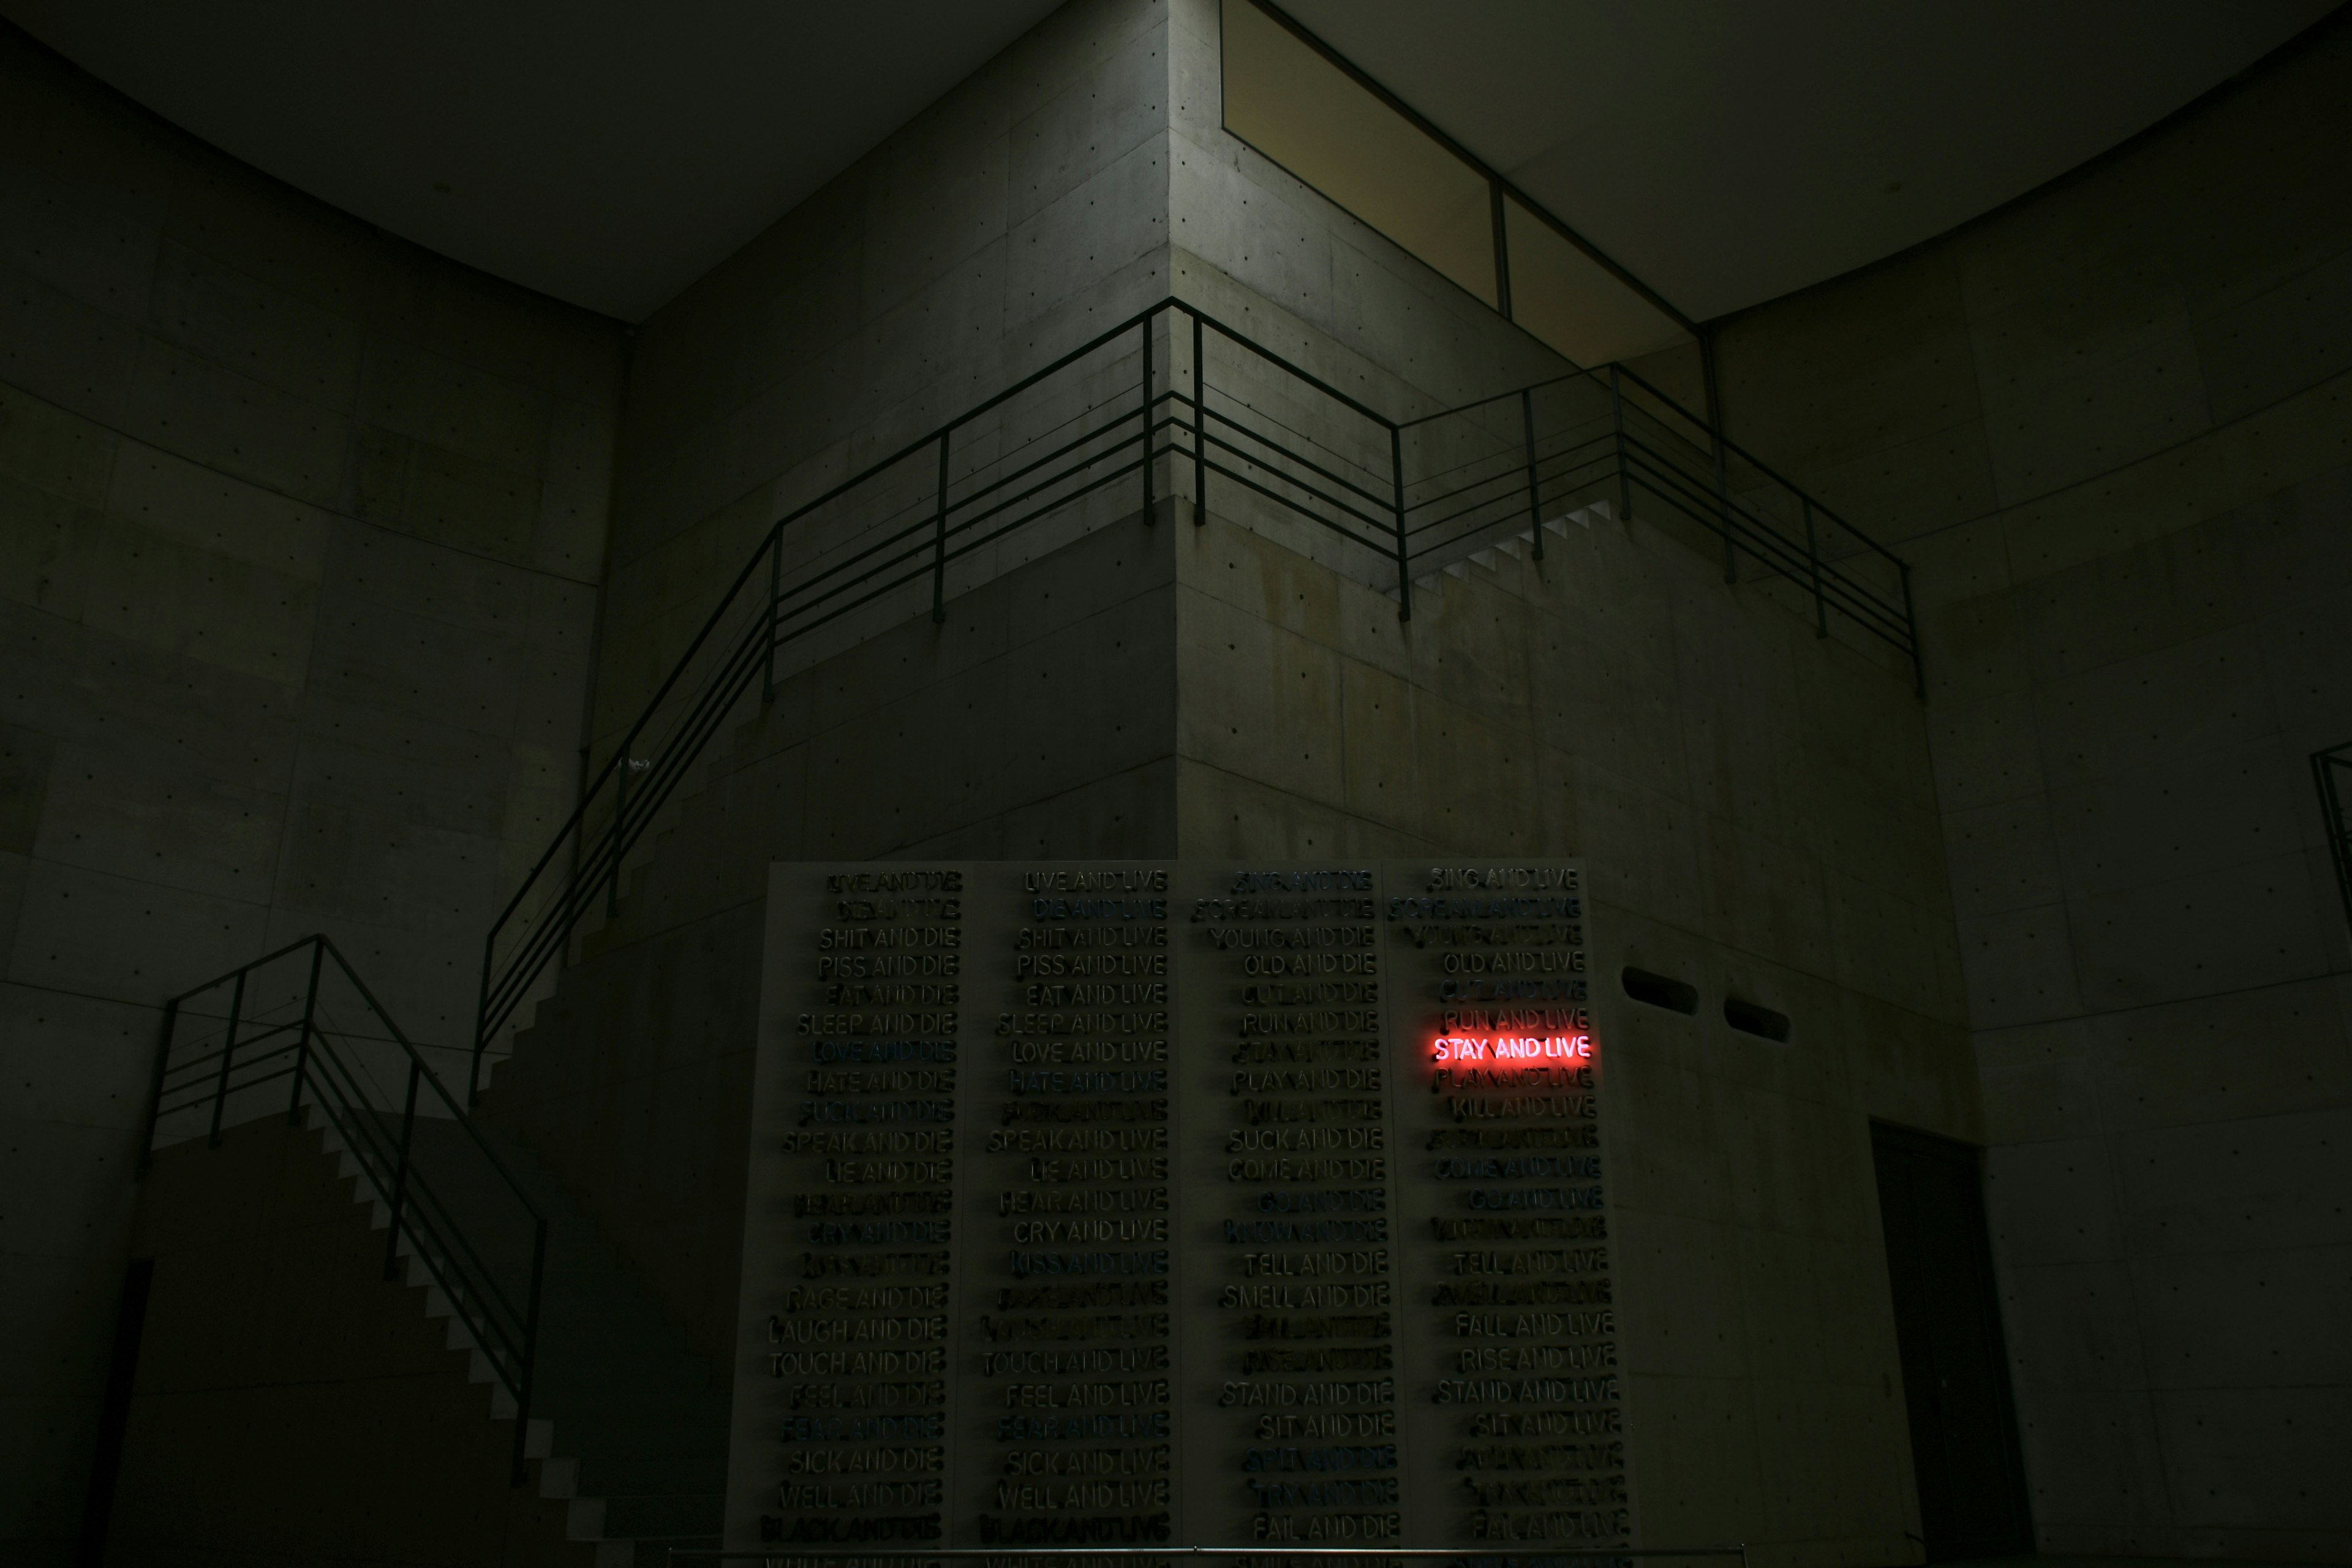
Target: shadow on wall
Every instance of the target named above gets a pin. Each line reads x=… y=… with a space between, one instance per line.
x=2113 y=415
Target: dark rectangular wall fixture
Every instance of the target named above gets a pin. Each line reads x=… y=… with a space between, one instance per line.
x=1956 y=1390
x=1749 y=1018
x=1659 y=991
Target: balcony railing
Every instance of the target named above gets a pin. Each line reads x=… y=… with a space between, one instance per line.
x=299 y=1029
x=1172 y=393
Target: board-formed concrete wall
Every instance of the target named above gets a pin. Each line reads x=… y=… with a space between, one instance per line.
x=1755 y=803
x=299 y=533
x=1011 y=220
x=1754 y=809
x=325 y=1418
x=1037 y=720
x=2112 y=425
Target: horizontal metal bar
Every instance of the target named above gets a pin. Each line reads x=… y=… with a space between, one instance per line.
x=1854 y=602
x=246 y=968
x=1514 y=466
x=1515 y=490
x=1244 y=481
x=1760 y=538
x=1042 y=486
x=1117 y=420
x=1370 y=471
x=1219 y=443
x=197 y=1063
x=1760 y=465
x=1305 y=462
x=1485 y=1551
x=430 y=1077
x=1310 y=377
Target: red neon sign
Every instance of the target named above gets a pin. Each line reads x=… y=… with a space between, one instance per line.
x=1512 y=1048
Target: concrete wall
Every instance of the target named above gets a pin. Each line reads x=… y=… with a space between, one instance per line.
x=1038 y=720
x=1755 y=803
x=2114 y=426
x=1755 y=808
x=1012 y=220
x=305 y=527
x=291 y=1406
x=1262 y=249
x=299 y=529
x=1209 y=691
x=1754 y=811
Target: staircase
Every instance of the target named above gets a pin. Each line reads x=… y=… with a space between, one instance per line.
x=1493 y=546
x=628 y=1425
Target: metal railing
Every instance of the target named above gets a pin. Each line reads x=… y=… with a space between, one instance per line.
x=1082 y=442
x=2331 y=772
x=1516 y=1554
x=1511 y=462
x=300 y=1029
x=1078 y=444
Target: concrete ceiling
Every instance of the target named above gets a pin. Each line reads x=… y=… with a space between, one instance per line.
x=605 y=152
x=610 y=151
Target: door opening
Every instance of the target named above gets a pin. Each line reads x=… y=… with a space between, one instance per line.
x=114 y=1416
x=1964 y=1444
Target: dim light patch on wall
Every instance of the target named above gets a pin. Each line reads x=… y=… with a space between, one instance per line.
x=1289 y=98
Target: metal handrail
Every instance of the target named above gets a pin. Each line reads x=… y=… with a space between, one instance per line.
x=1121 y=434
x=1501 y=1555
x=504 y=1326
x=2331 y=774
x=1600 y=375
x=1517 y=478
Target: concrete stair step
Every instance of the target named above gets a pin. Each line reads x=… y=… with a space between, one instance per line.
x=658 y=1514
x=1490 y=548
x=605 y=1436
x=654 y=1552
x=647 y=1475
x=581 y=1407
x=626 y=1423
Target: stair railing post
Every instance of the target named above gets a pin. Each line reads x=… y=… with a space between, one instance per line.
x=155 y=1084
x=530 y=1348
x=1911 y=623
x=302 y=1042
x=1403 y=556
x=1617 y=420
x=228 y=1050
x=1535 y=498
x=1200 y=428
x=1723 y=506
x=620 y=821
x=775 y=599
x=482 y=1011
x=940 y=539
x=2324 y=766
x=1813 y=555
x=400 y=1174
x=1150 y=500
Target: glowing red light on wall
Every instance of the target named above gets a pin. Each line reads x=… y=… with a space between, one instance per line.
x=1512 y=1048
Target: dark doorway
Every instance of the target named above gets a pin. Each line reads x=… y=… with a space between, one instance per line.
x=114 y=1416
x=1947 y=1329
